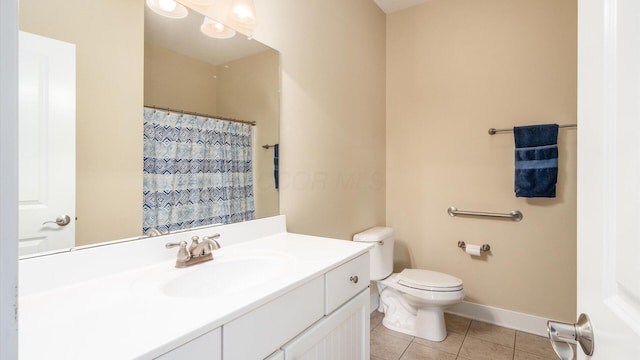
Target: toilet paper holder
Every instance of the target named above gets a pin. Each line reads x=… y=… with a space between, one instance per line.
x=484 y=247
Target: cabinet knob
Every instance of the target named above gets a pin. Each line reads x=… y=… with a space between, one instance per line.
x=354 y=279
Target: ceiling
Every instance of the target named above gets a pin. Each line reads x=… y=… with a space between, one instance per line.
x=389 y=6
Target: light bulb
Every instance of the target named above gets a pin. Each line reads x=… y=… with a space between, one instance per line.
x=167 y=5
x=168 y=8
x=218 y=27
x=216 y=30
x=243 y=11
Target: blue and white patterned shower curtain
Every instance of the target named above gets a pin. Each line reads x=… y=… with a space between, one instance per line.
x=197 y=171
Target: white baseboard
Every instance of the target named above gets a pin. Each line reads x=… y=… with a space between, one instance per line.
x=506 y=318
x=510 y=319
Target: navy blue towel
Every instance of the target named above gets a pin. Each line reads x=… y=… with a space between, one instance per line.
x=536 y=160
x=276 y=160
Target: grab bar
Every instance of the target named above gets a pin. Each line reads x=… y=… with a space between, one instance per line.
x=515 y=215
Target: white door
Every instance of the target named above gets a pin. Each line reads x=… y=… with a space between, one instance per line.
x=609 y=175
x=47 y=123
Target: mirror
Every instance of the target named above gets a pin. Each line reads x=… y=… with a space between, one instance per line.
x=126 y=57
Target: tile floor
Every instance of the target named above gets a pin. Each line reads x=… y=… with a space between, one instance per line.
x=466 y=340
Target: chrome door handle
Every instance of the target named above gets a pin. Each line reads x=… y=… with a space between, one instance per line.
x=563 y=334
x=62 y=220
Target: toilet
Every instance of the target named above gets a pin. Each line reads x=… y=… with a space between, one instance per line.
x=413 y=300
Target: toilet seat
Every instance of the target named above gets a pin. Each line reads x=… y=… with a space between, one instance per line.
x=429 y=280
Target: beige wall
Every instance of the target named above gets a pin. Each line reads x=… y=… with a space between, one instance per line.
x=456 y=68
x=249 y=89
x=109 y=39
x=332 y=139
x=176 y=81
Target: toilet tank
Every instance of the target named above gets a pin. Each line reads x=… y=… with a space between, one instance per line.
x=381 y=254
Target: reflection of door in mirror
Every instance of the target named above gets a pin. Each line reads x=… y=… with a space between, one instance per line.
x=109 y=41
x=47 y=97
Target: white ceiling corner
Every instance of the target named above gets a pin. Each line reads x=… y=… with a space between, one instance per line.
x=389 y=6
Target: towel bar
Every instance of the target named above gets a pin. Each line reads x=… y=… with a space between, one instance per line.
x=493 y=131
x=515 y=215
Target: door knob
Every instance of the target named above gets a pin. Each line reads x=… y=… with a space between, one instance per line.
x=62 y=220
x=563 y=334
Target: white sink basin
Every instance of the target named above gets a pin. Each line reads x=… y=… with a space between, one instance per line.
x=228 y=273
x=225 y=276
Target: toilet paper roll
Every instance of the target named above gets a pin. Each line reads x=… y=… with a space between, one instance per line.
x=473 y=250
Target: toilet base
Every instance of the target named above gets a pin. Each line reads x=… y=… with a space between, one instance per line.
x=415 y=312
x=426 y=324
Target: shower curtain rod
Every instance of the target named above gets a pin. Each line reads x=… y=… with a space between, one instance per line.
x=252 y=123
x=493 y=131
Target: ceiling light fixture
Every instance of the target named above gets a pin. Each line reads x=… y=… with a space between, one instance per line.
x=198 y=2
x=168 y=8
x=243 y=11
x=216 y=30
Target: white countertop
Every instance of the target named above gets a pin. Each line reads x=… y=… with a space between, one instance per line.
x=125 y=315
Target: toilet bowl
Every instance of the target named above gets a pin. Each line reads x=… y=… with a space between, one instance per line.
x=413 y=300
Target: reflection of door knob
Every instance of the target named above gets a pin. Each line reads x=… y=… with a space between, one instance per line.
x=562 y=334
x=61 y=220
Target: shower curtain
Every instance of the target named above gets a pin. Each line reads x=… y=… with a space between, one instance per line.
x=197 y=171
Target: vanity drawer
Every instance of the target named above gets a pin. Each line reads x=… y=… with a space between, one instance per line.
x=345 y=281
x=258 y=333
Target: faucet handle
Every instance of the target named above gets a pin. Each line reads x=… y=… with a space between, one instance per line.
x=183 y=254
x=172 y=245
x=194 y=243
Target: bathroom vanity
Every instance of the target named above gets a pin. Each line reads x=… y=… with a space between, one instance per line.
x=267 y=294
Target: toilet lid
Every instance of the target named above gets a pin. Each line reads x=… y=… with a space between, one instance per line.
x=429 y=280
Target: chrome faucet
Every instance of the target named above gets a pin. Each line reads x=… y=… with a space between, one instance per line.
x=153 y=232
x=197 y=252
x=208 y=244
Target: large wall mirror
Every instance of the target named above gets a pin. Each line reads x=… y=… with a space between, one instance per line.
x=87 y=71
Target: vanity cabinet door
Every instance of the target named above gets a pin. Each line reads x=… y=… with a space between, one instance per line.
x=205 y=347
x=342 y=335
x=258 y=333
